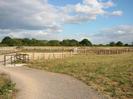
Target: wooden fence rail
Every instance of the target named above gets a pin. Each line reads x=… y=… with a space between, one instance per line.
x=105 y=51
x=14 y=58
x=47 y=56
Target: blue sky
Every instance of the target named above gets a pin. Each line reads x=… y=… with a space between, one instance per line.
x=101 y=21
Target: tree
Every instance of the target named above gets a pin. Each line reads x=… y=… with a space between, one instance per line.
x=112 y=44
x=119 y=43
x=132 y=44
x=17 y=42
x=69 y=42
x=8 y=41
x=85 y=42
x=43 y=42
x=73 y=42
x=126 y=44
x=53 y=43
x=26 y=41
x=65 y=42
x=35 y=42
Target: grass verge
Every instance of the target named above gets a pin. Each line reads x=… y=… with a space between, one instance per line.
x=111 y=75
x=7 y=88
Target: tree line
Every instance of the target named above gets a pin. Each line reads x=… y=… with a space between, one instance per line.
x=8 y=41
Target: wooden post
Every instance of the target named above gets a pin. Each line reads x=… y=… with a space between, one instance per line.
x=24 y=58
x=14 y=60
x=27 y=58
x=33 y=56
x=11 y=60
x=4 y=60
x=62 y=55
x=54 y=56
x=49 y=56
x=44 y=56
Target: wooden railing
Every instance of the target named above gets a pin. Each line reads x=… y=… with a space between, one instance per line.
x=105 y=51
x=14 y=58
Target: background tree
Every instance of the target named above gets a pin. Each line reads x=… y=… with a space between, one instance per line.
x=7 y=41
x=26 y=41
x=132 y=44
x=73 y=42
x=65 y=42
x=112 y=44
x=17 y=42
x=119 y=43
x=85 y=42
x=53 y=43
x=126 y=44
x=69 y=42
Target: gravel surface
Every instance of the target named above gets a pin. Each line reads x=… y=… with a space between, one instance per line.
x=38 y=84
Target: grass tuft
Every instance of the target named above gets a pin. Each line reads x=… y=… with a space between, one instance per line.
x=7 y=88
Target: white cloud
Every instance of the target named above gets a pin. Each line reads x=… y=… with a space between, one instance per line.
x=93 y=6
x=118 y=33
x=107 y=4
x=88 y=9
x=116 y=13
x=27 y=14
x=33 y=15
x=38 y=34
x=93 y=3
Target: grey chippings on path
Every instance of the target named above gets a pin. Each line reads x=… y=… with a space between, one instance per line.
x=38 y=84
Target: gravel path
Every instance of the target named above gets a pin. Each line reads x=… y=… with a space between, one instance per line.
x=37 y=84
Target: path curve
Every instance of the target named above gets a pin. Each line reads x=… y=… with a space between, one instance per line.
x=38 y=84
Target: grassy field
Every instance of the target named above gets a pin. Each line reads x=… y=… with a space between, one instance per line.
x=7 y=88
x=111 y=75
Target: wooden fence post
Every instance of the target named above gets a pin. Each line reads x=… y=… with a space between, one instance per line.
x=11 y=60
x=33 y=56
x=4 y=60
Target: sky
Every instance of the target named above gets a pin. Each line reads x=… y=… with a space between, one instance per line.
x=100 y=21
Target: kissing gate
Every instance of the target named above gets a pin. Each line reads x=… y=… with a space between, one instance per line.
x=16 y=58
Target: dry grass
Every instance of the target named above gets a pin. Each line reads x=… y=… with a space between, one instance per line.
x=111 y=75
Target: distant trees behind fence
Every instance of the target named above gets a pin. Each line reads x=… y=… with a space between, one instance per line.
x=8 y=41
